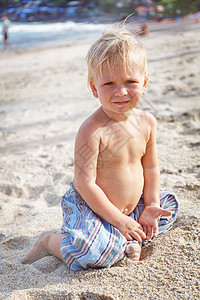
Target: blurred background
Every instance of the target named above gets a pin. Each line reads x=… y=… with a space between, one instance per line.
x=43 y=10
x=42 y=22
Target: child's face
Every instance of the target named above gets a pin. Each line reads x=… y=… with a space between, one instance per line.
x=120 y=90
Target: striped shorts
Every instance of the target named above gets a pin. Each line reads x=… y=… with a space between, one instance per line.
x=90 y=241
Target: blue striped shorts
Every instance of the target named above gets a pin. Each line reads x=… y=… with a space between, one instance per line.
x=90 y=241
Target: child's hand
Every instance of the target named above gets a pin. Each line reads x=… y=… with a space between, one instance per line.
x=148 y=220
x=131 y=229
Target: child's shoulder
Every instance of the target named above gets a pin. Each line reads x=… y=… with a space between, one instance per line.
x=146 y=117
x=92 y=124
x=149 y=124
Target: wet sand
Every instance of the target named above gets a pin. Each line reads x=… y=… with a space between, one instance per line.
x=43 y=100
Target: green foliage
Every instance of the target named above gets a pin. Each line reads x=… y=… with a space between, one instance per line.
x=107 y=5
x=7 y=2
x=4 y=3
x=112 y=7
x=184 y=6
x=59 y=3
x=171 y=6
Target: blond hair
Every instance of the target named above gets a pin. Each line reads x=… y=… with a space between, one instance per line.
x=115 y=46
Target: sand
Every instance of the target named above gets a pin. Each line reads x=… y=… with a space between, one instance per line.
x=44 y=99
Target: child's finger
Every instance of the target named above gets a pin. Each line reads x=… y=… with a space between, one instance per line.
x=134 y=236
x=139 y=226
x=155 y=231
x=149 y=232
x=145 y=229
x=142 y=234
x=139 y=235
x=165 y=212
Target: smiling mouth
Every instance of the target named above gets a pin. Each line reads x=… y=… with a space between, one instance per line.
x=120 y=103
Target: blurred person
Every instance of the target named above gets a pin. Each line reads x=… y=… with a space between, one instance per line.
x=6 y=24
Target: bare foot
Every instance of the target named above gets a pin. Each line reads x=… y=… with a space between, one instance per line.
x=38 y=250
x=133 y=251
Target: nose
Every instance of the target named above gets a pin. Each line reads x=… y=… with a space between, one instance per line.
x=121 y=91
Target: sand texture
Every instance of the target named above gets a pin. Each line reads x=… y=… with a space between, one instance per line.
x=44 y=99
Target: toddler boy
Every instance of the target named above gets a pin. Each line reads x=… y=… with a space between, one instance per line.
x=114 y=202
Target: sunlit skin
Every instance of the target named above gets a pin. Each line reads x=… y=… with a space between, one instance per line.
x=120 y=91
x=113 y=185
x=116 y=161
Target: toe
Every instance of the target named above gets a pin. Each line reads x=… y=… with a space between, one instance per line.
x=133 y=251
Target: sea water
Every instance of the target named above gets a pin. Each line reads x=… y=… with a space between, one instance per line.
x=34 y=35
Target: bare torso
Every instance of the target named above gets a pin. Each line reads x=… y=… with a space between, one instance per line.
x=119 y=169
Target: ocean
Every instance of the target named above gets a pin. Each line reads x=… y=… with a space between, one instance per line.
x=34 y=35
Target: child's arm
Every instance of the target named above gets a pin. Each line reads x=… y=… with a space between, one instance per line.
x=86 y=155
x=151 y=191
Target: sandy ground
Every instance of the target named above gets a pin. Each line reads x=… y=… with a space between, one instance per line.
x=44 y=99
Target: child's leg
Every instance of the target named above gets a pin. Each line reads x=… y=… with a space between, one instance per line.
x=48 y=243
x=169 y=201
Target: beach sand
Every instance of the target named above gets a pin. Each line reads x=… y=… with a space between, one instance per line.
x=44 y=99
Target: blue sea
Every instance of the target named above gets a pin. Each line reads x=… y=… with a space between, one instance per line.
x=34 y=35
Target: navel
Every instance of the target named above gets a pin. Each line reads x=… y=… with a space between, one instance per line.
x=125 y=211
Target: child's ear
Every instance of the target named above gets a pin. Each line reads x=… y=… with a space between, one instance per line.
x=145 y=84
x=93 y=89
